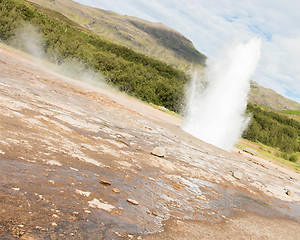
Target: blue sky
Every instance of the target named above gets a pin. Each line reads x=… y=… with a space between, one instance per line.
x=215 y=24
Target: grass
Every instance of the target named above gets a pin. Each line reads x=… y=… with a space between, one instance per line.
x=163 y=109
x=292 y=112
x=268 y=153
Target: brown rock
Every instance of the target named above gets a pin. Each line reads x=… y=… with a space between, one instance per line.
x=134 y=202
x=75 y=213
x=116 y=190
x=154 y=213
x=105 y=181
x=159 y=152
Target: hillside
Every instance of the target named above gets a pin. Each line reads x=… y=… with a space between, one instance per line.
x=274 y=129
x=152 y=39
x=38 y=30
x=269 y=98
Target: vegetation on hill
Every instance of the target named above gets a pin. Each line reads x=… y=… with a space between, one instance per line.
x=153 y=39
x=292 y=112
x=137 y=74
x=274 y=130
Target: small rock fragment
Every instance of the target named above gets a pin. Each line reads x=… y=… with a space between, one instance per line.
x=118 y=234
x=104 y=206
x=105 y=181
x=54 y=224
x=237 y=174
x=148 y=212
x=154 y=213
x=130 y=236
x=83 y=193
x=75 y=213
x=116 y=190
x=134 y=202
x=159 y=152
x=290 y=193
x=202 y=198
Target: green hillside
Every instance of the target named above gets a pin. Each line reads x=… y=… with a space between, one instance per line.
x=153 y=39
x=275 y=130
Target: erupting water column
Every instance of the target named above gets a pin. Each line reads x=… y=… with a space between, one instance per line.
x=217 y=114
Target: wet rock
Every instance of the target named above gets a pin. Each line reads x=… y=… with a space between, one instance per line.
x=134 y=202
x=159 y=152
x=105 y=182
x=116 y=190
x=237 y=174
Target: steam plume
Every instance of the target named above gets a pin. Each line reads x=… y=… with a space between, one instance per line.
x=217 y=114
x=30 y=39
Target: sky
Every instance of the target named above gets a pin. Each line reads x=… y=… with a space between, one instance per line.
x=216 y=24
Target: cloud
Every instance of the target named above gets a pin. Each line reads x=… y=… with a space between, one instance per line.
x=211 y=25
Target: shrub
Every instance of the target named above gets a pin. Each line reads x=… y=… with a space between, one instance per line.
x=294 y=158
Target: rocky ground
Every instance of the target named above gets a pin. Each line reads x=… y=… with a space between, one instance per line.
x=76 y=163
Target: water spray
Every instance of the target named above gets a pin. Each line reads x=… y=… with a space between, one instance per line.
x=217 y=114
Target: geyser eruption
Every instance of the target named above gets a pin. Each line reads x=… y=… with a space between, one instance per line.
x=217 y=114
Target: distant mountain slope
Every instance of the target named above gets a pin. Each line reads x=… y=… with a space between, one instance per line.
x=153 y=39
x=269 y=98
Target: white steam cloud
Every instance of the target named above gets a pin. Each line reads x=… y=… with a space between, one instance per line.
x=30 y=39
x=217 y=114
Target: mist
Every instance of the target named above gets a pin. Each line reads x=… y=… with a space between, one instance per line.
x=30 y=39
x=216 y=110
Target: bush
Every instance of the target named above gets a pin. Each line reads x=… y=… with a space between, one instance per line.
x=273 y=129
x=294 y=158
